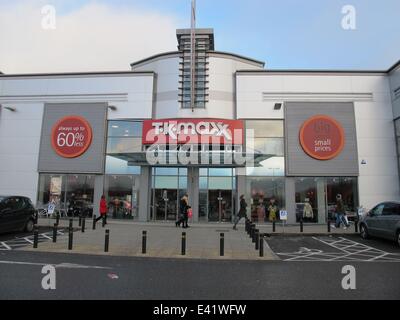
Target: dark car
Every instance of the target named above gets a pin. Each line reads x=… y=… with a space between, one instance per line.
x=382 y=221
x=16 y=214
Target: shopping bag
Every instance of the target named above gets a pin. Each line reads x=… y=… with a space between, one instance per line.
x=189 y=212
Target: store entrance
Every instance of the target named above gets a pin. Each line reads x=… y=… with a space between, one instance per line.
x=220 y=205
x=165 y=204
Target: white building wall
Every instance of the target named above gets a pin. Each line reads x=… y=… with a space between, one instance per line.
x=20 y=130
x=379 y=178
x=395 y=84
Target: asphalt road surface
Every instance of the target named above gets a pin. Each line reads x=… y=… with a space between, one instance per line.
x=110 y=277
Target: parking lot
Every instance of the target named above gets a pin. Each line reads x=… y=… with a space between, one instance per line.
x=16 y=240
x=333 y=248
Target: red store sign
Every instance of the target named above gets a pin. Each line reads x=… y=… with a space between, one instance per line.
x=71 y=136
x=322 y=137
x=193 y=131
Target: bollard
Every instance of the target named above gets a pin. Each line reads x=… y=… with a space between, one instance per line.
x=94 y=223
x=35 y=237
x=70 y=223
x=55 y=232
x=36 y=218
x=273 y=226
x=103 y=221
x=83 y=224
x=253 y=239
x=80 y=221
x=257 y=240
x=107 y=240
x=301 y=225
x=261 y=245
x=144 y=238
x=183 y=251
x=252 y=228
x=70 y=238
x=57 y=218
x=221 y=244
x=329 y=226
x=356 y=225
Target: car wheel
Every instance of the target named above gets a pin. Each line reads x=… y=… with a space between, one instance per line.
x=364 y=231
x=398 y=238
x=29 y=226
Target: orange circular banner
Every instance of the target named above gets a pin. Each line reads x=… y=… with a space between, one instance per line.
x=71 y=136
x=322 y=137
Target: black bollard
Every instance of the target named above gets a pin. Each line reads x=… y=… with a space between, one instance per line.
x=94 y=223
x=301 y=225
x=144 y=238
x=253 y=239
x=107 y=240
x=70 y=238
x=356 y=225
x=252 y=228
x=57 y=218
x=261 y=246
x=273 y=226
x=103 y=221
x=35 y=237
x=83 y=224
x=257 y=240
x=80 y=221
x=221 y=244
x=183 y=251
x=70 y=223
x=55 y=232
x=329 y=226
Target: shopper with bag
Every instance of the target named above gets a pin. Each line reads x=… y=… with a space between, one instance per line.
x=103 y=209
x=183 y=212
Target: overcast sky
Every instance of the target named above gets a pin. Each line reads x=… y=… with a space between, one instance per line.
x=109 y=35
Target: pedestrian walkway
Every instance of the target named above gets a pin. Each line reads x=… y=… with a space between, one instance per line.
x=164 y=240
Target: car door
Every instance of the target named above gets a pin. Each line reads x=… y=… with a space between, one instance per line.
x=390 y=217
x=8 y=215
x=20 y=213
x=373 y=220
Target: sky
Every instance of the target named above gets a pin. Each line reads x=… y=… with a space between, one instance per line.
x=106 y=35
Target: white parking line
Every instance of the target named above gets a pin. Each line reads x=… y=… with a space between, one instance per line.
x=28 y=240
x=6 y=245
x=46 y=236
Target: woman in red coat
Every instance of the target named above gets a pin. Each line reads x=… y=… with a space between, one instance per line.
x=103 y=209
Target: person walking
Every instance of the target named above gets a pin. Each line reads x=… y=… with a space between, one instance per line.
x=272 y=210
x=103 y=209
x=242 y=211
x=183 y=214
x=340 y=213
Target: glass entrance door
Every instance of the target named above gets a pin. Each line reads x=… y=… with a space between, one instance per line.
x=165 y=204
x=220 y=205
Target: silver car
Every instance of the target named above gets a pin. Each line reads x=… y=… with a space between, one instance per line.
x=382 y=221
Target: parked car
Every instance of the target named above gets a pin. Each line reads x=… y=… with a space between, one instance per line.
x=382 y=221
x=16 y=213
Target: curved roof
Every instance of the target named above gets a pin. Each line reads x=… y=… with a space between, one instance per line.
x=177 y=53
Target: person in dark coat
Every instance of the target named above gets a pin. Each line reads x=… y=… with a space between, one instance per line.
x=242 y=211
x=183 y=207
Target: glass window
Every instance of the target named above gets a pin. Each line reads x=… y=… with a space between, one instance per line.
x=166 y=182
x=125 y=128
x=203 y=182
x=266 y=128
x=124 y=145
x=115 y=165
x=122 y=196
x=79 y=195
x=309 y=197
x=273 y=167
x=377 y=211
x=166 y=171
x=274 y=146
x=347 y=188
x=216 y=183
x=391 y=209
x=224 y=172
x=51 y=189
x=267 y=197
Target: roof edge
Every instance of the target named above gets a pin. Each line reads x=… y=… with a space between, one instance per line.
x=156 y=56
x=92 y=73
x=261 y=63
x=394 y=67
x=321 y=71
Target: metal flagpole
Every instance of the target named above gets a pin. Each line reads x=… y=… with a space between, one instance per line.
x=193 y=55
